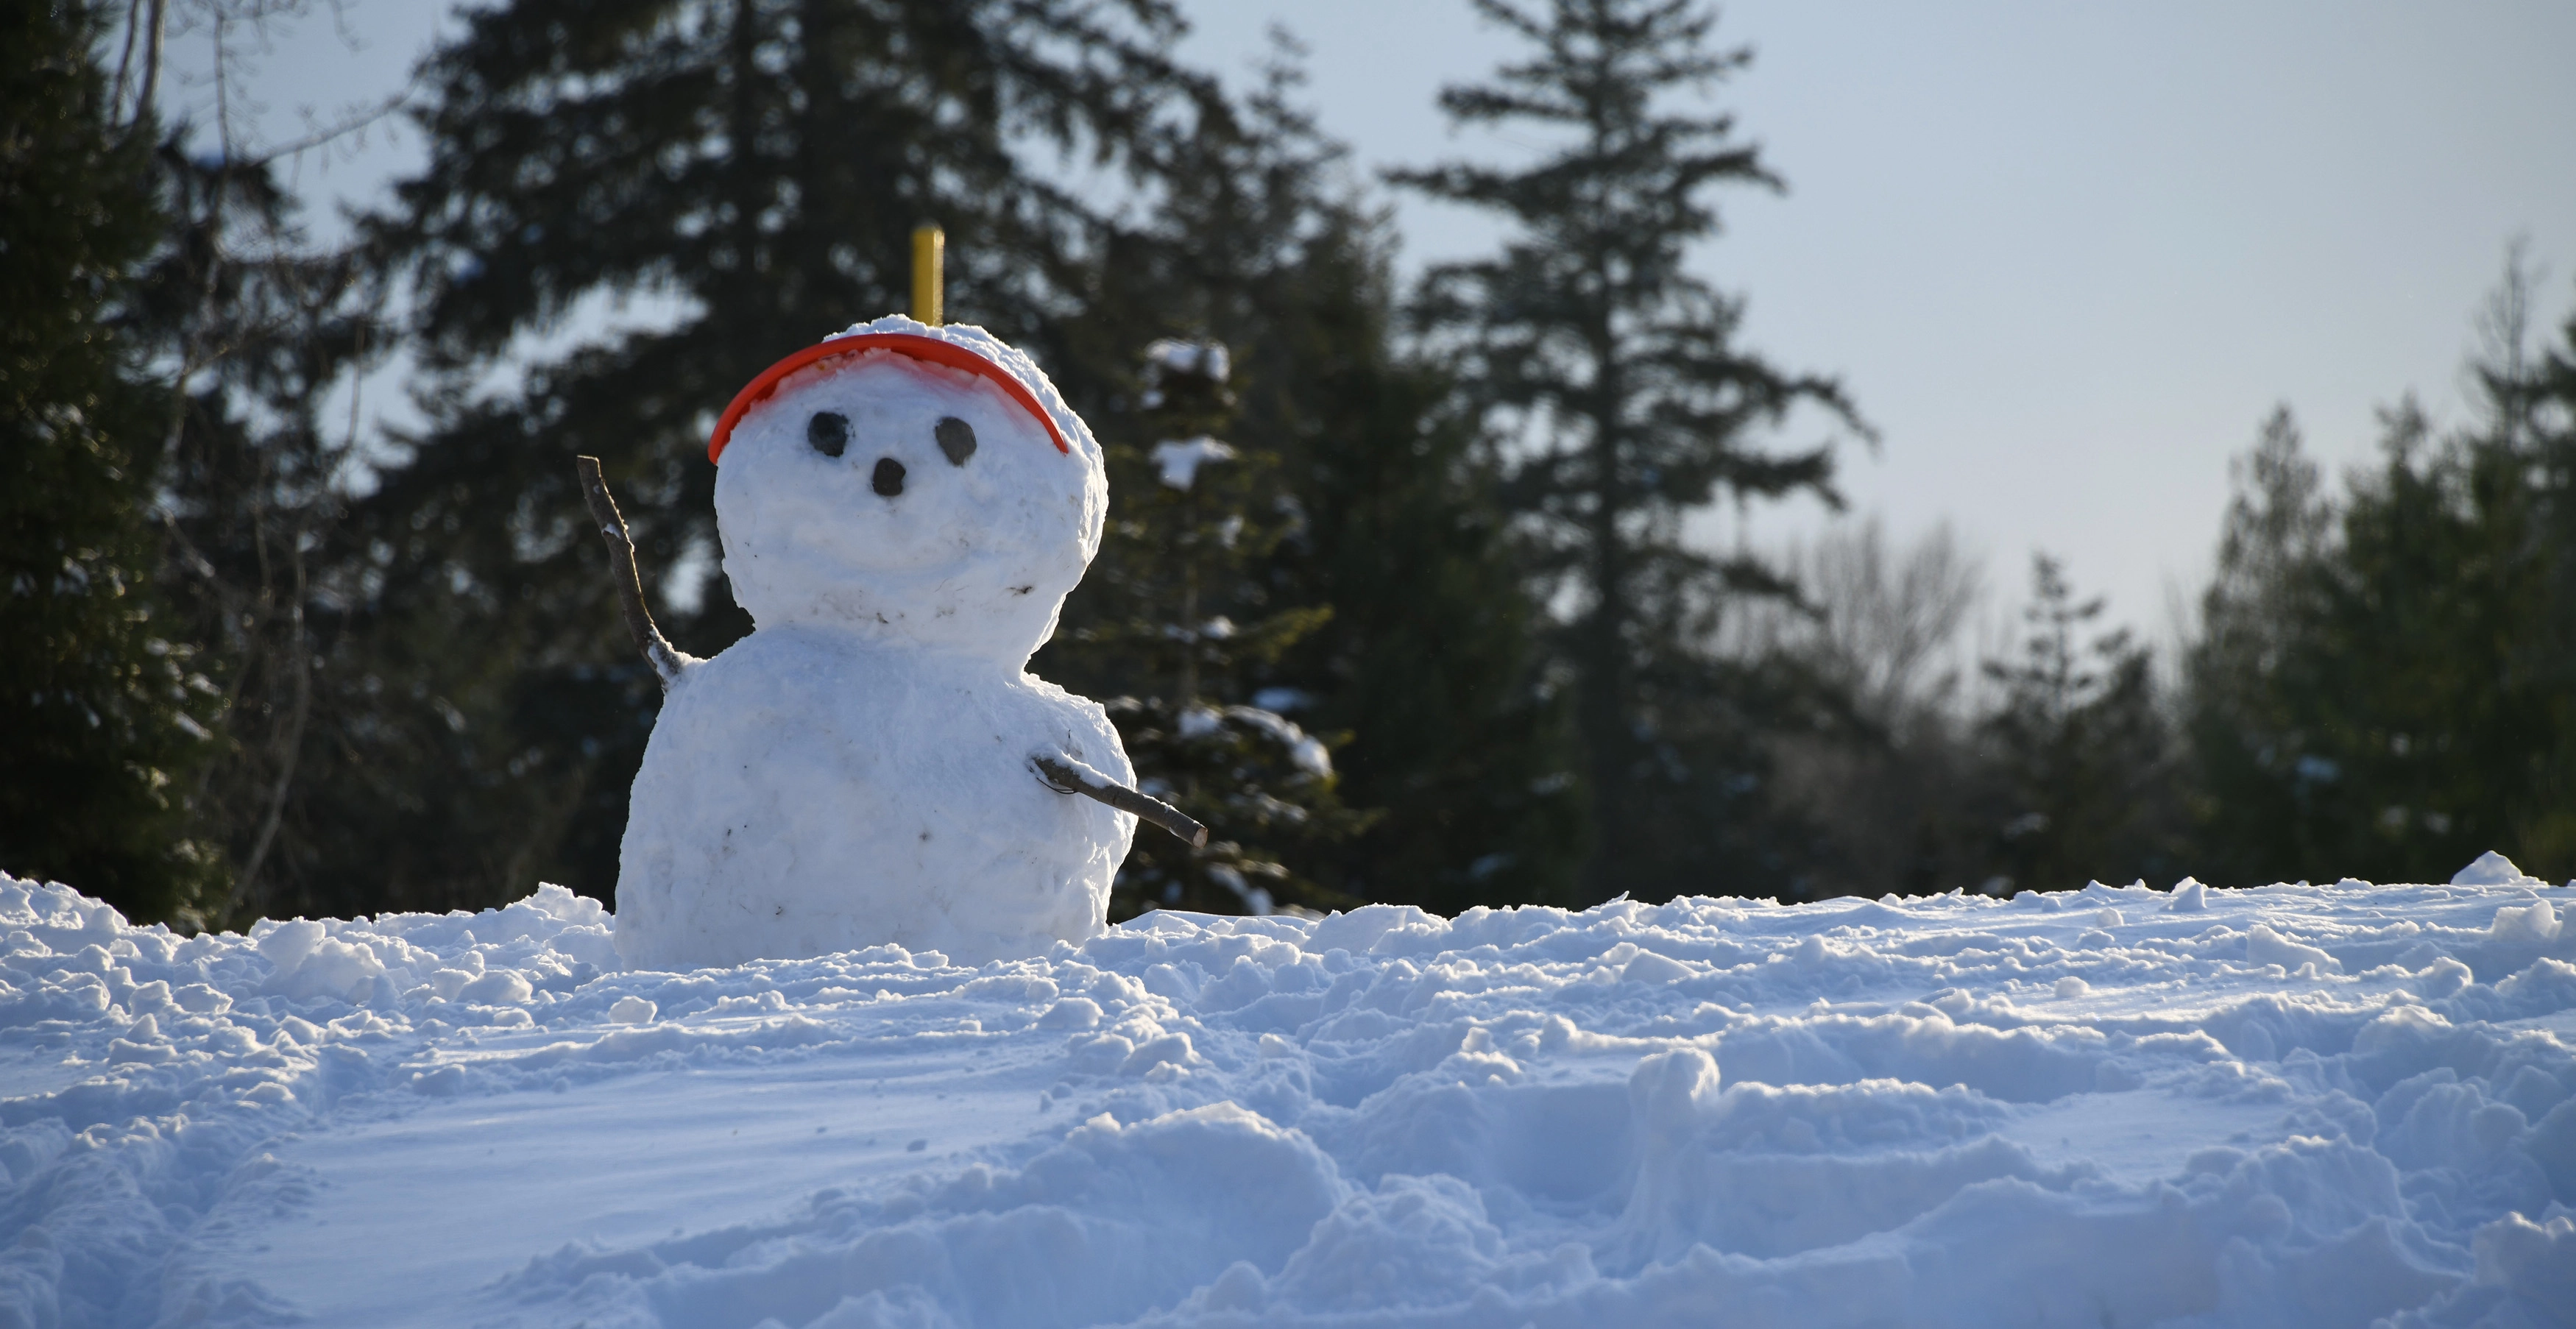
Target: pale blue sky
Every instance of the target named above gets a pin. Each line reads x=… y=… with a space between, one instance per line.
x=2066 y=257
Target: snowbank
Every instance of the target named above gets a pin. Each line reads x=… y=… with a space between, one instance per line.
x=2302 y=1105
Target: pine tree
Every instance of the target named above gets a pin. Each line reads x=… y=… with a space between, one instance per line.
x=254 y=327
x=1431 y=660
x=2537 y=406
x=2254 y=786
x=1589 y=331
x=2081 y=748
x=2381 y=690
x=104 y=710
x=1428 y=660
x=1176 y=599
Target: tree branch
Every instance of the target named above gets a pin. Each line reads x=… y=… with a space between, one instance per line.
x=1066 y=776
x=621 y=570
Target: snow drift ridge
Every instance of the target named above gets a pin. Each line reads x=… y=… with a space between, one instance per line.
x=2298 y=1105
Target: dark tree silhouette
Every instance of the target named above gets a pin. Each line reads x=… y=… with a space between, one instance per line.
x=106 y=714
x=2384 y=686
x=1624 y=373
x=2081 y=751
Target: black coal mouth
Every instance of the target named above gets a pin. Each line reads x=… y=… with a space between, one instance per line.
x=887 y=479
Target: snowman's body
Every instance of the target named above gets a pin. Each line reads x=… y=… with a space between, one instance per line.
x=857 y=770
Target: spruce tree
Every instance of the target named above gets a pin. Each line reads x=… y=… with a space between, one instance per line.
x=2254 y=786
x=1636 y=408
x=2381 y=689
x=1432 y=660
x=2412 y=717
x=2539 y=400
x=255 y=327
x=1427 y=662
x=105 y=712
x=1177 y=600
x=2081 y=749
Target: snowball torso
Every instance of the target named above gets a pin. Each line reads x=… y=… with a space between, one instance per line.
x=857 y=770
x=809 y=791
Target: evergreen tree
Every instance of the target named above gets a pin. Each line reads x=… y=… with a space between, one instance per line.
x=2253 y=787
x=1589 y=331
x=104 y=711
x=254 y=327
x=1426 y=661
x=1431 y=659
x=1177 y=599
x=2382 y=689
x=2081 y=750
x=2536 y=400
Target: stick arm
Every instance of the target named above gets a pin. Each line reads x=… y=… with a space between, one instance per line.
x=665 y=659
x=1065 y=775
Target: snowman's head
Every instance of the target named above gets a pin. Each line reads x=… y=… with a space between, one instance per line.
x=928 y=487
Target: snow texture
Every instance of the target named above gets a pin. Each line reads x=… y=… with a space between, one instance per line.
x=1205 y=359
x=1179 y=460
x=2294 y=1106
x=1304 y=749
x=856 y=771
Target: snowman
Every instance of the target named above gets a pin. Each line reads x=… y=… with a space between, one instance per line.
x=903 y=508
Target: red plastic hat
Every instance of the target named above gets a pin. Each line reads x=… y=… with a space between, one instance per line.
x=913 y=344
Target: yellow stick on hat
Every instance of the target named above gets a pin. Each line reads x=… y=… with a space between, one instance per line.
x=929 y=281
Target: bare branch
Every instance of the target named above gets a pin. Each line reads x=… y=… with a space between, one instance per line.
x=352 y=120
x=291 y=745
x=1066 y=776
x=621 y=570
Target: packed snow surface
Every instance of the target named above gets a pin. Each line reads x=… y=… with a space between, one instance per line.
x=2299 y=1105
x=857 y=770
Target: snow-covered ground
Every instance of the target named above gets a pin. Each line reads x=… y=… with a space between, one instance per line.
x=2301 y=1105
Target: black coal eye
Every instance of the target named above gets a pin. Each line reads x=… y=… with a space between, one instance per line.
x=828 y=432
x=956 y=438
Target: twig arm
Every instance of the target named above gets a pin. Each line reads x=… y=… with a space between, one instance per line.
x=1066 y=776
x=666 y=661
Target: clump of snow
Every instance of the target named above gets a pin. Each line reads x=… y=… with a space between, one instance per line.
x=1179 y=460
x=857 y=770
x=1283 y=699
x=2493 y=869
x=2081 y=1109
x=1305 y=751
x=1202 y=359
x=2535 y=921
